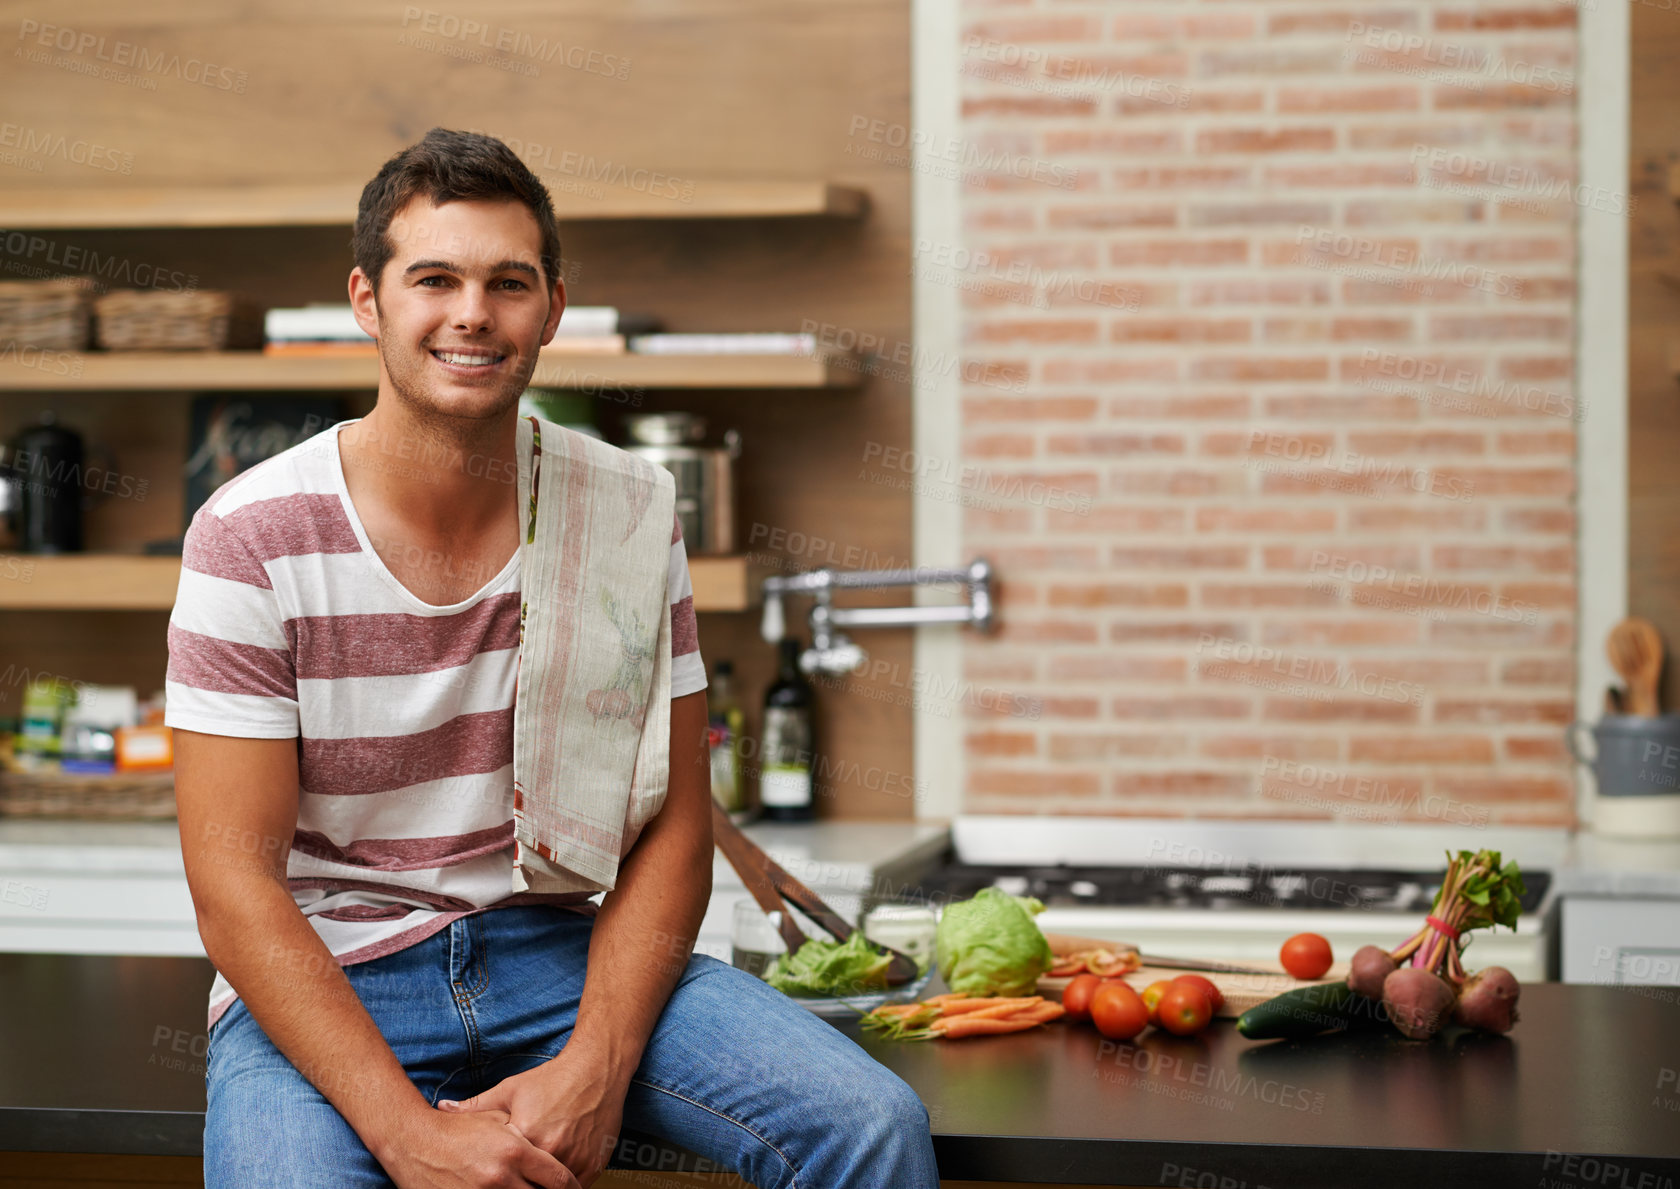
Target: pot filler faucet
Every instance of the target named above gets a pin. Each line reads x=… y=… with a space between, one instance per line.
x=831 y=650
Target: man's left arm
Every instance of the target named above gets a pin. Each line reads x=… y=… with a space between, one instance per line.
x=574 y=1105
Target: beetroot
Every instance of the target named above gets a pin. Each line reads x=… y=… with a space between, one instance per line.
x=1418 y=1001
x=1370 y=966
x=1488 y=1000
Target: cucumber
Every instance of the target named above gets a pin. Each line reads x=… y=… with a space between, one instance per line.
x=1307 y=1011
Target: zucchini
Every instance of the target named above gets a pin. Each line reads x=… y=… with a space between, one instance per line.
x=1307 y=1011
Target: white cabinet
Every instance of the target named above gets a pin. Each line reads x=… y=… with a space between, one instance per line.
x=1621 y=940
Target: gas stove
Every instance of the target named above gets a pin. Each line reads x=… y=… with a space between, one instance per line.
x=1234 y=891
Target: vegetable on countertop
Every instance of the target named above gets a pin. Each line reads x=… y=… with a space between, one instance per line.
x=957 y=1016
x=1421 y=985
x=824 y=967
x=990 y=944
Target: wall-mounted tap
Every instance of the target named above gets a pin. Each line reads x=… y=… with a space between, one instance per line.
x=831 y=650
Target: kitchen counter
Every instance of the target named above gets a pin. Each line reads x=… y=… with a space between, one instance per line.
x=105 y=1054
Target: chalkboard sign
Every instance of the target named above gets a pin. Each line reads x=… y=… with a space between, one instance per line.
x=229 y=434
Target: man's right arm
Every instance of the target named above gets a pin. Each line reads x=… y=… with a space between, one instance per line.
x=237 y=801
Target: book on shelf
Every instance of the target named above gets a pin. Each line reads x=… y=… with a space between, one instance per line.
x=723 y=344
x=326 y=322
x=595 y=321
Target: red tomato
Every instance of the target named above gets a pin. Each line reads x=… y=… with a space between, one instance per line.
x=1109 y=964
x=1306 y=955
x=1067 y=964
x=1215 y=996
x=1184 y=1009
x=1152 y=999
x=1118 y=1012
x=1076 y=996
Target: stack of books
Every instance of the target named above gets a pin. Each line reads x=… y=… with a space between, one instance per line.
x=724 y=344
x=328 y=329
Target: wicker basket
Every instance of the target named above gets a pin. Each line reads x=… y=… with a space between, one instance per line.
x=47 y=315
x=194 y=320
x=149 y=795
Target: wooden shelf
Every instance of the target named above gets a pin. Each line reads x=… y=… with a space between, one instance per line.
x=132 y=582
x=334 y=204
x=192 y=371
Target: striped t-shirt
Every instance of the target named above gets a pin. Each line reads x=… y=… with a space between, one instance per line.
x=288 y=625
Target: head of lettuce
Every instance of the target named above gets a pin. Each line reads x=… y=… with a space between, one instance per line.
x=990 y=945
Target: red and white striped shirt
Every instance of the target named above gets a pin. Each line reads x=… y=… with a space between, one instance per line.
x=288 y=625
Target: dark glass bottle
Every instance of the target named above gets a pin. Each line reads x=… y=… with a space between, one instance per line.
x=47 y=461
x=786 y=785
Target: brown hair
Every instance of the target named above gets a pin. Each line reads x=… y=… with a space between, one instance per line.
x=449 y=166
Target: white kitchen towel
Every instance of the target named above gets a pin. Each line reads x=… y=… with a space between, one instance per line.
x=592 y=703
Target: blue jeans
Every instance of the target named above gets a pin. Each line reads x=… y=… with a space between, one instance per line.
x=734 y=1071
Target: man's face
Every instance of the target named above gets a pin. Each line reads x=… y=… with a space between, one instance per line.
x=462 y=308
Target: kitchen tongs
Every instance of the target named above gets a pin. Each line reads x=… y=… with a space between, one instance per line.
x=768 y=883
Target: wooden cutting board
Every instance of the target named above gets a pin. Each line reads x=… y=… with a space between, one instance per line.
x=1241 y=991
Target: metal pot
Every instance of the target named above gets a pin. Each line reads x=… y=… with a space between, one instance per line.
x=705 y=475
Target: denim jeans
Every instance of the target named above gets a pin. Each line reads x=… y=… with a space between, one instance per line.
x=734 y=1071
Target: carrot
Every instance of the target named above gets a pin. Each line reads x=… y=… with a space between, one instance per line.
x=987 y=1007
x=958 y=1027
x=948 y=997
x=1039 y=1013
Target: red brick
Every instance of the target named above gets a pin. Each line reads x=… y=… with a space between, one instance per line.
x=1294 y=709
x=1025 y=105
x=1180 y=707
x=1538 y=16
x=1112 y=745
x=1111 y=370
x=1339 y=20
x=1096 y=666
x=1494 y=711
x=1226 y=746
x=1532 y=367
x=1117 y=142
x=1259 y=214
x=1538 y=671
x=1175 y=631
x=1557 y=596
x=1001 y=743
x=1117 y=594
x=1111 y=520
x=1434 y=673
x=1257 y=595
x=1204 y=100
x=1377 y=212
x=1179 y=406
x=1321 y=329
x=1500 y=327
x=1444 y=519
x=1342 y=408
x=1031 y=408
x=1180 y=482
x=1211 y=24
x=1536 y=749
x=1045 y=557
x=1559 y=521
x=1260 y=291
x=1403 y=136
x=1270 y=60
x=1180 y=784
x=1481 y=790
x=1262 y=140
x=1265 y=520
x=1026 y=330
x=1554 y=560
x=1342 y=632
x=998 y=445
x=1349 y=99
x=1494 y=98
x=1070 y=707
x=1325 y=561
x=1023 y=782
x=1489 y=481
x=1503 y=634
x=1431 y=441
x=1115 y=445
x=1260 y=368
x=1022 y=31
x=1188 y=252
x=1505 y=249
x=998 y=520
x=992 y=663
x=1203 y=557
x=1054 y=631
x=1101 y=218
x=1180 y=330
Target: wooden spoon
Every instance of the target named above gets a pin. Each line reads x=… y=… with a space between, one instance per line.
x=1636 y=653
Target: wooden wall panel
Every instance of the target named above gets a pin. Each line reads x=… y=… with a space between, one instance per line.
x=1653 y=336
x=720 y=88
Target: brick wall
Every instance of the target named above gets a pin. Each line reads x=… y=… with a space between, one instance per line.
x=1268 y=418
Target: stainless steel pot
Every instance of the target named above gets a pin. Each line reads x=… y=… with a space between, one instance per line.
x=705 y=475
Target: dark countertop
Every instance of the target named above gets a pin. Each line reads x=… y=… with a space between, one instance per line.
x=106 y=1054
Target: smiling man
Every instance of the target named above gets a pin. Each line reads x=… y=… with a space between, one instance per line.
x=343 y=655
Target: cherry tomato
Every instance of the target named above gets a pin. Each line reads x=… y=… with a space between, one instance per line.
x=1118 y=1012
x=1184 y=1009
x=1215 y=996
x=1306 y=955
x=1152 y=999
x=1076 y=996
